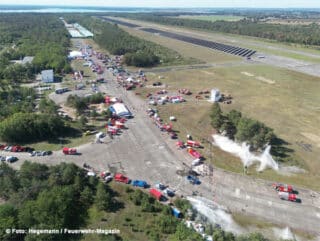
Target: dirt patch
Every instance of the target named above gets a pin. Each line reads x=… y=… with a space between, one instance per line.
x=263 y=79
x=247 y=74
x=268 y=81
x=99 y=107
x=207 y=72
x=68 y=111
x=312 y=137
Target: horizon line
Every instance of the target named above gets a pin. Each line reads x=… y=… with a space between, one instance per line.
x=169 y=7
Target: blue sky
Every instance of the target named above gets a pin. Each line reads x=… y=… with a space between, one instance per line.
x=175 y=3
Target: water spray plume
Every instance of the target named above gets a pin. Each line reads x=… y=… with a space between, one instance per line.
x=243 y=152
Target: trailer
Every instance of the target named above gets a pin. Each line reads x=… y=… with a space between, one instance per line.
x=69 y=151
x=156 y=194
x=192 y=143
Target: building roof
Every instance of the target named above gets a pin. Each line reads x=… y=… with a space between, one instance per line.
x=77 y=31
x=74 y=54
x=120 y=109
x=27 y=59
x=47 y=72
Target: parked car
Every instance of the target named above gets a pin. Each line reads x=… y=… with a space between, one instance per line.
x=169 y=192
x=46 y=153
x=91 y=174
x=157 y=83
x=193 y=180
x=7 y=148
x=11 y=159
x=107 y=176
x=69 y=151
x=160 y=186
x=121 y=178
x=139 y=183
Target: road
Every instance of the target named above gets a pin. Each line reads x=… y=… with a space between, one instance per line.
x=143 y=151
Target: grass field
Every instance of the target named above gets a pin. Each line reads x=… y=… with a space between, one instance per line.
x=285 y=100
x=213 y=18
x=295 y=51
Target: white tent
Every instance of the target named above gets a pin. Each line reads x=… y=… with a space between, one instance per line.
x=120 y=110
x=75 y=54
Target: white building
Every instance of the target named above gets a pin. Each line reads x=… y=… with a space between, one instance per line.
x=215 y=95
x=47 y=76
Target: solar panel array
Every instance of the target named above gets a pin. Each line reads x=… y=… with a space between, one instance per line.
x=243 y=52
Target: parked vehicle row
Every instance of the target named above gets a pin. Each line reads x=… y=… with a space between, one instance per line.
x=41 y=153
x=16 y=148
x=286 y=192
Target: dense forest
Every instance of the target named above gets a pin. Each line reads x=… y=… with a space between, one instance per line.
x=301 y=34
x=40 y=35
x=137 y=52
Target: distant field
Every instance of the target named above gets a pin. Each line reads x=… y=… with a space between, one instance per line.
x=294 y=21
x=287 y=101
x=213 y=18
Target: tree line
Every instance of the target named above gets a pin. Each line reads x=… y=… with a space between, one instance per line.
x=300 y=34
x=136 y=51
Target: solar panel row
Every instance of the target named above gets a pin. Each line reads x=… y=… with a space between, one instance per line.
x=243 y=52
